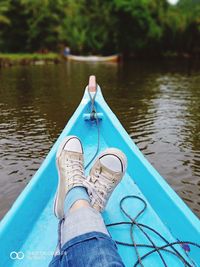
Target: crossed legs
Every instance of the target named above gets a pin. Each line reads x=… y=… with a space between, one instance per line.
x=84 y=239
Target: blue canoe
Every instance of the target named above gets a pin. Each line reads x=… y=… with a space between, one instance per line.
x=28 y=232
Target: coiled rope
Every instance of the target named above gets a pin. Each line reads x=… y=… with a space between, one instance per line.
x=133 y=222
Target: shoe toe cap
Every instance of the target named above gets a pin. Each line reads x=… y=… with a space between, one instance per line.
x=74 y=145
x=112 y=162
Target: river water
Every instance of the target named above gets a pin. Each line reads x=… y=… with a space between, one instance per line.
x=158 y=103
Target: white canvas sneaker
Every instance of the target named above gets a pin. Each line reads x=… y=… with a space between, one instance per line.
x=70 y=165
x=105 y=175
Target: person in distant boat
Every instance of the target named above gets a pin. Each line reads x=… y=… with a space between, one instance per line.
x=66 y=51
x=83 y=238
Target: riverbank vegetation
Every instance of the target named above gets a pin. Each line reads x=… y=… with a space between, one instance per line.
x=134 y=28
x=7 y=60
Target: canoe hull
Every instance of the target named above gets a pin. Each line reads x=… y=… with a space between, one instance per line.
x=30 y=226
x=112 y=58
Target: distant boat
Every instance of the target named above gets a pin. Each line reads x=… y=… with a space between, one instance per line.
x=112 y=58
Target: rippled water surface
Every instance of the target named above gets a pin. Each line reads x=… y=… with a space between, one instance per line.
x=158 y=103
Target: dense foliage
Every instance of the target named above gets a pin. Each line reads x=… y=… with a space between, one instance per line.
x=133 y=27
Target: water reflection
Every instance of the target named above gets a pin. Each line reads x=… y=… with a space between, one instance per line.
x=157 y=103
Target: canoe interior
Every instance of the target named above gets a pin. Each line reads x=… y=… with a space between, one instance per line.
x=31 y=227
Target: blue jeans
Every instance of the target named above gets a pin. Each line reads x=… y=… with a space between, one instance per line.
x=93 y=249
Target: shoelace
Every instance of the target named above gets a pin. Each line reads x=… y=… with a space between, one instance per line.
x=74 y=171
x=104 y=187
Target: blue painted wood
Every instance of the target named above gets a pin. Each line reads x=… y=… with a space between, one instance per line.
x=30 y=226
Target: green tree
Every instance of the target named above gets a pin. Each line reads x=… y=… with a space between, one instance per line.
x=89 y=26
x=4 y=7
x=44 y=23
x=4 y=20
x=139 y=25
x=14 y=34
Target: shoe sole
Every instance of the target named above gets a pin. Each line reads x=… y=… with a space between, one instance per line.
x=60 y=193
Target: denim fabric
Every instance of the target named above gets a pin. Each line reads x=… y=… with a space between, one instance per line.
x=92 y=249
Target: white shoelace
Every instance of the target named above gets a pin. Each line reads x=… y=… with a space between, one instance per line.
x=74 y=171
x=99 y=192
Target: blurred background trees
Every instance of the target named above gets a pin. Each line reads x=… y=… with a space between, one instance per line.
x=132 y=27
